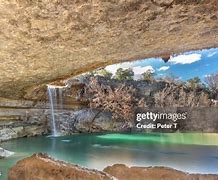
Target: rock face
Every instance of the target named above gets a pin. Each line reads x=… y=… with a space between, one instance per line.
x=40 y=166
x=42 y=41
x=21 y=131
x=89 y=120
x=22 y=119
x=123 y=172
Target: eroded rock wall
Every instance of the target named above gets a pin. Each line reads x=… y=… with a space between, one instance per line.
x=28 y=118
x=16 y=122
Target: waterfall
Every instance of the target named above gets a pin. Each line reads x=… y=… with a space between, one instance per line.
x=55 y=94
x=53 y=101
x=60 y=94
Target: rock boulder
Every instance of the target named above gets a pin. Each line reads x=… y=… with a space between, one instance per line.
x=123 y=172
x=40 y=166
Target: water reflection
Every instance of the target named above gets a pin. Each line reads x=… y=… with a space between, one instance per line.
x=195 y=153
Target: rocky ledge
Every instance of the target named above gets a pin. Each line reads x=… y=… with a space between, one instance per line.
x=41 y=166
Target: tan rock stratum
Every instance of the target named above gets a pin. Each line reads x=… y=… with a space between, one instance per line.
x=45 y=40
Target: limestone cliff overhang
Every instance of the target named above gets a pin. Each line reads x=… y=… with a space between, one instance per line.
x=42 y=41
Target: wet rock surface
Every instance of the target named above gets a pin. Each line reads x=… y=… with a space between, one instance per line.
x=42 y=41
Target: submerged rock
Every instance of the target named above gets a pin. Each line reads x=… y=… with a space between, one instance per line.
x=41 y=166
x=4 y=153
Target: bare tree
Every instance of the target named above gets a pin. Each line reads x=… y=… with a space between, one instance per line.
x=212 y=82
x=179 y=96
x=121 y=100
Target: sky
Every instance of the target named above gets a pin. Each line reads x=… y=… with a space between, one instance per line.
x=185 y=66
